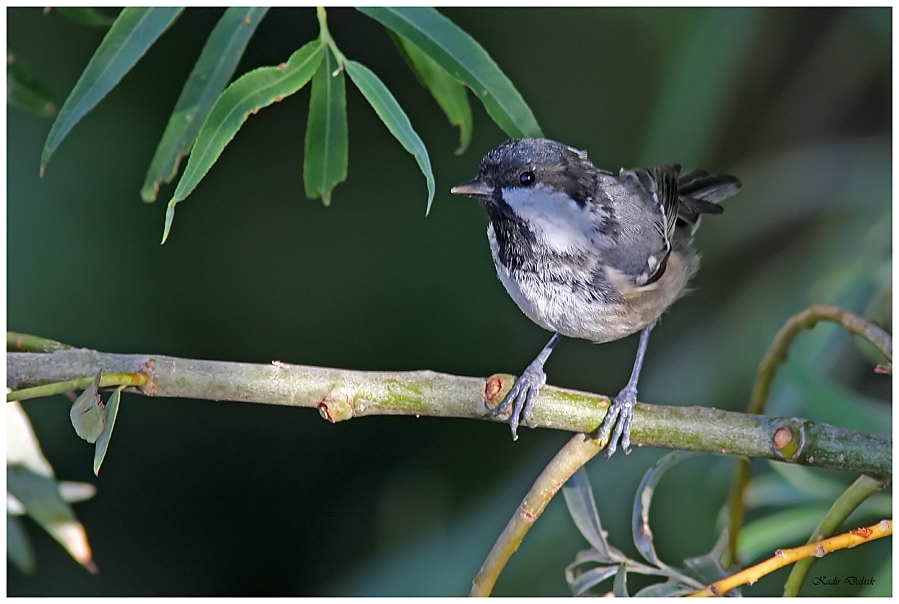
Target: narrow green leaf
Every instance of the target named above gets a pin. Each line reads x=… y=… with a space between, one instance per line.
x=462 y=56
x=91 y=17
x=18 y=547
x=87 y=413
x=619 y=585
x=24 y=91
x=42 y=502
x=640 y=519
x=587 y=580
x=134 y=31
x=221 y=53
x=445 y=88
x=112 y=409
x=247 y=94
x=327 y=143
x=582 y=507
x=393 y=116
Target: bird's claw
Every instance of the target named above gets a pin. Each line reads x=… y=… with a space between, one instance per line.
x=622 y=409
x=521 y=398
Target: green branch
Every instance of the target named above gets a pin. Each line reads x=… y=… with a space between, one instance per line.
x=22 y=342
x=342 y=394
x=798 y=323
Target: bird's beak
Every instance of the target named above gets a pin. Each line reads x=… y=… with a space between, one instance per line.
x=473 y=188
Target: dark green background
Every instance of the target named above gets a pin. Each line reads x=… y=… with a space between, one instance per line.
x=203 y=498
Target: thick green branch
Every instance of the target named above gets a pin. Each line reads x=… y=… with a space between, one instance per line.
x=342 y=394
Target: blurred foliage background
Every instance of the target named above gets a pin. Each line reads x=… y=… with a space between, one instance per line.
x=201 y=498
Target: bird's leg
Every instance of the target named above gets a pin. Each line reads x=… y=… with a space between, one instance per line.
x=524 y=392
x=622 y=407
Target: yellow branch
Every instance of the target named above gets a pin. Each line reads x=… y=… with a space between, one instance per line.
x=783 y=557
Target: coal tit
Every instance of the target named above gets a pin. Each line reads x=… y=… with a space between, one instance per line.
x=591 y=254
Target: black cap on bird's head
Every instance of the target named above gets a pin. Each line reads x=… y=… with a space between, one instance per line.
x=529 y=162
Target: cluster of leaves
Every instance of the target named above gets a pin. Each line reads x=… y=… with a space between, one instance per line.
x=602 y=561
x=797 y=499
x=93 y=419
x=208 y=114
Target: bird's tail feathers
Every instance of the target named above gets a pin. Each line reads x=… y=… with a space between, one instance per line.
x=700 y=192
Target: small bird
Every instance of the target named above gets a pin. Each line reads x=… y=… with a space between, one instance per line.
x=588 y=253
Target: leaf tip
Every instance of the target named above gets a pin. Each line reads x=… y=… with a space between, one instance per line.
x=169 y=217
x=43 y=168
x=431 y=191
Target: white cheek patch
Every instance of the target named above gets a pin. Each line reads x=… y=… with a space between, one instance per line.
x=553 y=217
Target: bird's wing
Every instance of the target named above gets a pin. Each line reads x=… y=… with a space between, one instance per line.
x=646 y=211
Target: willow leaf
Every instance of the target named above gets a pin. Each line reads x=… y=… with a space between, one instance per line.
x=247 y=94
x=327 y=142
x=134 y=31
x=461 y=55
x=218 y=60
x=393 y=116
x=449 y=92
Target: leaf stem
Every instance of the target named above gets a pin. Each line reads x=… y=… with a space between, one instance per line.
x=325 y=35
x=138 y=380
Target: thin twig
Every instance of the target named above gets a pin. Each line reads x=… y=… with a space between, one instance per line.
x=807 y=319
x=22 y=342
x=138 y=380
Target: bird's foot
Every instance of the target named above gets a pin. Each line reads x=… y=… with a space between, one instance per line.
x=522 y=396
x=622 y=409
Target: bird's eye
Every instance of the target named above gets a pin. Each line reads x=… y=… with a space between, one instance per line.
x=527 y=178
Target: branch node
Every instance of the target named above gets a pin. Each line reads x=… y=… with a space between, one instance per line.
x=149 y=368
x=336 y=406
x=492 y=388
x=788 y=440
